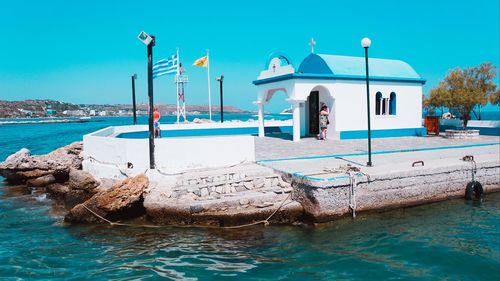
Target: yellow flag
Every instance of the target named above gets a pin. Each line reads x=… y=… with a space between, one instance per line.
x=202 y=62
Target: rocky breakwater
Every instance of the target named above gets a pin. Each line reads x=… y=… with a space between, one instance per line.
x=59 y=174
x=121 y=201
x=42 y=170
x=234 y=196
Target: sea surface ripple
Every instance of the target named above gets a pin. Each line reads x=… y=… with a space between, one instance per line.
x=447 y=240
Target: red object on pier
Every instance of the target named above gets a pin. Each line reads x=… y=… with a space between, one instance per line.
x=431 y=124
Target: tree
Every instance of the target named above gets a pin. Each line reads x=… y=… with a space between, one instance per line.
x=495 y=98
x=464 y=89
x=436 y=99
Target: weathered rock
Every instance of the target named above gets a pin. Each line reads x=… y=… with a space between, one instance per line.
x=259 y=182
x=248 y=185
x=82 y=180
x=240 y=188
x=80 y=187
x=124 y=200
x=41 y=181
x=57 y=189
x=22 y=166
x=204 y=192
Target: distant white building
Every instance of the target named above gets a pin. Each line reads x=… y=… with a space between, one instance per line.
x=340 y=83
x=25 y=112
x=103 y=113
x=78 y=112
x=92 y=112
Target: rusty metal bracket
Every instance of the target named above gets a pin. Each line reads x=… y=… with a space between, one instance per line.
x=468 y=158
x=417 y=162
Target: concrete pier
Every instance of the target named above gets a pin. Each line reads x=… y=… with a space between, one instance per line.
x=306 y=181
x=397 y=179
x=314 y=173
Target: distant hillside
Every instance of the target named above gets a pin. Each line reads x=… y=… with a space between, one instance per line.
x=43 y=108
x=32 y=108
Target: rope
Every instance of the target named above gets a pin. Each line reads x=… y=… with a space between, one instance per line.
x=352 y=193
x=265 y=222
x=108 y=163
x=200 y=170
x=470 y=158
x=118 y=223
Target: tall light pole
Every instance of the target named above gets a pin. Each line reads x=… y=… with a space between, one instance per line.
x=221 y=79
x=365 y=43
x=134 y=77
x=150 y=42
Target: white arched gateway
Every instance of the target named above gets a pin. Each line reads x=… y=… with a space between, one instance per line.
x=340 y=83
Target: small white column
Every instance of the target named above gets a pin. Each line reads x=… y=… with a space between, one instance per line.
x=296 y=120
x=261 y=118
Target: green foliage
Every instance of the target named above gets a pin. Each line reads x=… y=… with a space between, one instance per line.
x=463 y=89
x=495 y=98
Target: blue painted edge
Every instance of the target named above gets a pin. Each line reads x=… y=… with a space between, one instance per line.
x=363 y=134
x=302 y=176
x=378 y=152
x=336 y=77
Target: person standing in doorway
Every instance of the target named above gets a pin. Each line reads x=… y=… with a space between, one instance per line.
x=323 y=121
x=156 y=119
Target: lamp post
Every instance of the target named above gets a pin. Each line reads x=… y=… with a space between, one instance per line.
x=365 y=43
x=221 y=79
x=134 y=77
x=150 y=42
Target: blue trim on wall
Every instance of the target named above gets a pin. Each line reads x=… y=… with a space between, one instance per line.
x=363 y=134
x=335 y=77
x=379 y=152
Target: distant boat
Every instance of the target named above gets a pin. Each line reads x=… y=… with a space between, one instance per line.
x=85 y=118
x=287 y=111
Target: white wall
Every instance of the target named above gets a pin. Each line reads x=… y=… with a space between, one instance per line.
x=348 y=106
x=347 y=102
x=106 y=155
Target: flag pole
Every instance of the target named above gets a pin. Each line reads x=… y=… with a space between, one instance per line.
x=177 y=83
x=208 y=77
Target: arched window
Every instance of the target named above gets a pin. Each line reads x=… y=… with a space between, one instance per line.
x=378 y=101
x=392 y=104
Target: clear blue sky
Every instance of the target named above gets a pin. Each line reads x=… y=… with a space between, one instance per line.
x=85 y=51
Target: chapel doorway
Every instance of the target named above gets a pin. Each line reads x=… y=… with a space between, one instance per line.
x=313 y=101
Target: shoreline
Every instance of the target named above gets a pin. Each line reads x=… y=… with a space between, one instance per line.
x=52 y=121
x=257 y=192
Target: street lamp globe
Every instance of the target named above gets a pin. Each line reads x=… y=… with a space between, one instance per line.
x=366 y=42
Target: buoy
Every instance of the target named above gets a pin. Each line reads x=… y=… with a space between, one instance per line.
x=474 y=191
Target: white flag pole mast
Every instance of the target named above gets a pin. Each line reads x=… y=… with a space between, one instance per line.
x=208 y=77
x=177 y=85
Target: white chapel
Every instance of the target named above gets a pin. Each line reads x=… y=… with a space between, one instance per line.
x=340 y=83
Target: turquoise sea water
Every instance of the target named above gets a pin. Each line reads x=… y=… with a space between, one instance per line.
x=447 y=240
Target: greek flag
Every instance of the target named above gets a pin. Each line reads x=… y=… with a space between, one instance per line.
x=166 y=66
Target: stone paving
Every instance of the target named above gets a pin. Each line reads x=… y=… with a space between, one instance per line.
x=281 y=147
x=285 y=156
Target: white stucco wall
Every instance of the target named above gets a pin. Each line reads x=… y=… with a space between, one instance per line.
x=105 y=155
x=347 y=102
x=351 y=110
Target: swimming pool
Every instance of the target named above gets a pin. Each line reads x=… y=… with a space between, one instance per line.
x=208 y=132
